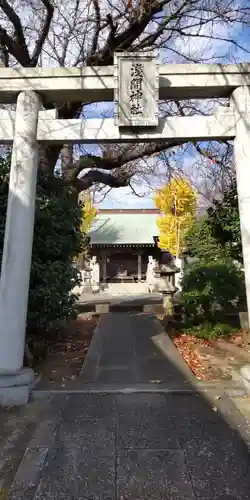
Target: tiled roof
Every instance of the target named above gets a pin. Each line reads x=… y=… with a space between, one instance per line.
x=137 y=228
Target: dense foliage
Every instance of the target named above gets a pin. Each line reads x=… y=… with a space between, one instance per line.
x=213 y=287
x=225 y=223
x=212 y=292
x=217 y=235
x=57 y=239
x=201 y=243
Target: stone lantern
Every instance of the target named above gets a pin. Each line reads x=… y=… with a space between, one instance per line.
x=165 y=284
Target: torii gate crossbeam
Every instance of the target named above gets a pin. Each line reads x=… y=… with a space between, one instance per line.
x=88 y=84
x=28 y=126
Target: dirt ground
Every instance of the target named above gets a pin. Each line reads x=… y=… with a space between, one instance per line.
x=211 y=359
x=66 y=355
x=214 y=359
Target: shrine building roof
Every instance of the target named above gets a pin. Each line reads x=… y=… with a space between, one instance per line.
x=125 y=227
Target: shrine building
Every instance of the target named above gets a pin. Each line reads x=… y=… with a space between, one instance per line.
x=122 y=240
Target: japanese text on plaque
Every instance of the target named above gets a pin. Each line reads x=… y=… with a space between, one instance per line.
x=135 y=96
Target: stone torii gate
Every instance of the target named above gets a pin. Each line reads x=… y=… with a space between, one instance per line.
x=135 y=82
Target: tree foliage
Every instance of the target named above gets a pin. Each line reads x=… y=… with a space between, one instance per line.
x=200 y=242
x=176 y=202
x=88 y=212
x=87 y=33
x=214 y=286
x=57 y=239
x=211 y=290
x=225 y=222
x=217 y=235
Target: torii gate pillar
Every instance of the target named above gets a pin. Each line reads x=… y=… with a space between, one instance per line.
x=240 y=102
x=16 y=262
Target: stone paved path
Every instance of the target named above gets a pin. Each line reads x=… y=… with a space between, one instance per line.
x=125 y=446
x=123 y=353
x=138 y=447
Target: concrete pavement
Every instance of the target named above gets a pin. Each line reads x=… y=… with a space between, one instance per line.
x=102 y=447
x=141 y=446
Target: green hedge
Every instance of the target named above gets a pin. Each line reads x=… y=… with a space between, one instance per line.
x=212 y=293
x=57 y=239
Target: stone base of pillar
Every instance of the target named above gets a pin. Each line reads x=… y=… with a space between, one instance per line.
x=245 y=374
x=15 y=388
x=168 y=303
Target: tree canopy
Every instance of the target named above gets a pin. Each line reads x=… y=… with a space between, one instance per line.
x=217 y=235
x=87 y=33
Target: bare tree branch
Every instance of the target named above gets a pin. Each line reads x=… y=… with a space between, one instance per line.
x=4 y=55
x=97 y=28
x=18 y=46
x=97 y=177
x=44 y=30
x=125 y=40
x=83 y=32
x=127 y=155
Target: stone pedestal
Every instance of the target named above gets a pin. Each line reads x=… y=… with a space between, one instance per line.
x=245 y=374
x=16 y=262
x=15 y=387
x=166 y=285
x=168 y=303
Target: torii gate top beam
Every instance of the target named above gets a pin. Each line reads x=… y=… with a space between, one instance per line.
x=88 y=84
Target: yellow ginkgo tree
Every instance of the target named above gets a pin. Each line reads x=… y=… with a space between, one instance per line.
x=88 y=211
x=176 y=201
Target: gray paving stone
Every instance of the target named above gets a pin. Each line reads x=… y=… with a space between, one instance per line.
x=45 y=431
x=145 y=347
x=196 y=423
x=144 y=423
x=141 y=433
x=90 y=406
x=17 y=425
x=123 y=352
x=133 y=403
x=8 y=468
x=28 y=475
x=94 y=437
x=111 y=375
x=153 y=475
x=219 y=472
x=156 y=369
x=77 y=477
x=127 y=404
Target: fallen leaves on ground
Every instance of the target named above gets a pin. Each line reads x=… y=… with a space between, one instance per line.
x=237 y=340
x=68 y=347
x=186 y=345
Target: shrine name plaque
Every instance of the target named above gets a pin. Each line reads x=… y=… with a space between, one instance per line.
x=136 y=89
